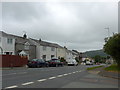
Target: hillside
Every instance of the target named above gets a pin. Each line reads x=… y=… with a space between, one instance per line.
x=95 y=52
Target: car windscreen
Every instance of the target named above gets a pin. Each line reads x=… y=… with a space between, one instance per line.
x=41 y=60
x=35 y=60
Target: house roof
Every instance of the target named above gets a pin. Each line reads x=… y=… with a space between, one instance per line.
x=44 y=43
x=18 y=39
x=22 y=40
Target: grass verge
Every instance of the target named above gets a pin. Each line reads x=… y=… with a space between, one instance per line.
x=113 y=68
x=91 y=68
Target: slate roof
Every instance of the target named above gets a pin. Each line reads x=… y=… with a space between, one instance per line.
x=44 y=43
x=18 y=39
x=22 y=40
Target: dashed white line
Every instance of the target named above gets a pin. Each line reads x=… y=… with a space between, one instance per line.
x=65 y=74
x=59 y=75
x=27 y=83
x=69 y=73
x=41 y=80
x=52 y=77
x=74 y=72
x=11 y=87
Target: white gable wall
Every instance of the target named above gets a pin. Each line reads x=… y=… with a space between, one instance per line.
x=7 y=47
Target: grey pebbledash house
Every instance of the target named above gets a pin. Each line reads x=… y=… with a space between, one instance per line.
x=25 y=46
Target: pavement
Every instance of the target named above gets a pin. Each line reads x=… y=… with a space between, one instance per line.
x=105 y=73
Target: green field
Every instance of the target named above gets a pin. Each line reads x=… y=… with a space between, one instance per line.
x=91 y=68
x=113 y=67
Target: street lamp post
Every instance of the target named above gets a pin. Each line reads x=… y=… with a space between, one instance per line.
x=1 y=50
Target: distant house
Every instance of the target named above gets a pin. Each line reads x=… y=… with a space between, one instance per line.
x=7 y=44
x=25 y=47
x=46 y=50
x=61 y=52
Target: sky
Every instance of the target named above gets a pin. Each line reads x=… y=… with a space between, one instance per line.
x=76 y=25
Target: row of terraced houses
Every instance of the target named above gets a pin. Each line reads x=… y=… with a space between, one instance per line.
x=32 y=48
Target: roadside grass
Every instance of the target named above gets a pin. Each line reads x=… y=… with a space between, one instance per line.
x=113 y=67
x=91 y=68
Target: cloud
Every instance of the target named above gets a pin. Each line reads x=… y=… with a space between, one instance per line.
x=78 y=24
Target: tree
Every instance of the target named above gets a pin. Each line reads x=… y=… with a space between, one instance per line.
x=97 y=59
x=112 y=47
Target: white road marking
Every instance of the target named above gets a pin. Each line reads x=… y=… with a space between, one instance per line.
x=74 y=72
x=52 y=77
x=11 y=87
x=27 y=83
x=65 y=74
x=41 y=80
x=69 y=73
x=59 y=75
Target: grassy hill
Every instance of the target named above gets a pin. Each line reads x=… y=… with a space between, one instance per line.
x=96 y=52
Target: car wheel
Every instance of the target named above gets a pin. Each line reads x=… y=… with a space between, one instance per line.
x=37 y=66
x=56 y=65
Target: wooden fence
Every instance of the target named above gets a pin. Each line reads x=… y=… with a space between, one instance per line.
x=13 y=61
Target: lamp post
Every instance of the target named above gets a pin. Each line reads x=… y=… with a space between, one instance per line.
x=1 y=50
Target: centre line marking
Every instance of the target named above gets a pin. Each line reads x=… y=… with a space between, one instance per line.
x=59 y=75
x=41 y=80
x=69 y=73
x=27 y=83
x=11 y=87
x=74 y=72
x=52 y=77
x=65 y=74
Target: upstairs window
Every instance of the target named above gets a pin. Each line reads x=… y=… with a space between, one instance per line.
x=52 y=49
x=26 y=47
x=44 y=48
x=9 y=40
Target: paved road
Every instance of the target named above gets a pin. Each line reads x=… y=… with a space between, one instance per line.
x=55 y=77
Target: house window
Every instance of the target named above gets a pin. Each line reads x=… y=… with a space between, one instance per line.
x=8 y=53
x=44 y=48
x=52 y=56
x=26 y=47
x=9 y=40
x=44 y=57
x=52 y=49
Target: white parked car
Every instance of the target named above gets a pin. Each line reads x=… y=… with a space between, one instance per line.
x=89 y=63
x=72 y=62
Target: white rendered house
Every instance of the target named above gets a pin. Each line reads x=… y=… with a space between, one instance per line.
x=7 y=44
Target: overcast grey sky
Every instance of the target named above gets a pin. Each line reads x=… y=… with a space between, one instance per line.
x=78 y=25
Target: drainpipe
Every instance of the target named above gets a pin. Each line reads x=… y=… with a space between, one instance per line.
x=1 y=50
x=56 y=52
